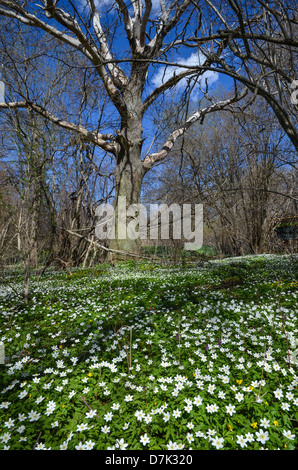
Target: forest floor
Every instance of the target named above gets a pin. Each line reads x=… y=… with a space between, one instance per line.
x=146 y=357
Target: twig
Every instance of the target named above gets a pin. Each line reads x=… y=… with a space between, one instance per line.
x=179 y=339
x=289 y=357
x=36 y=441
x=284 y=330
x=130 y=341
x=85 y=403
x=258 y=396
x=109 y=249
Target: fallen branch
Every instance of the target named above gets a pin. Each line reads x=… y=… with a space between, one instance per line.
x=106 y=248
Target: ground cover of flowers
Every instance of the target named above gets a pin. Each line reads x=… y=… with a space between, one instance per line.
x=148 y=357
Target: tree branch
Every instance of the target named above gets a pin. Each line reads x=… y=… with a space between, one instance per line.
x=80 y=42
x=102 y=140
x=152 y=159
x=118 y=76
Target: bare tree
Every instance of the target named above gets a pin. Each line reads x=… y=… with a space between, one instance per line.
x=259 y=40
x=146 y=34
x=241 y=168
x=245 y=41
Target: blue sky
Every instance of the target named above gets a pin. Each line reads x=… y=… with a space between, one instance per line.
x=157 y=74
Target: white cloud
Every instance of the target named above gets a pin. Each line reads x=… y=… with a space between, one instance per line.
x=166 y=72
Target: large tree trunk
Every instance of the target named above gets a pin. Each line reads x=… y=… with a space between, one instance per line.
x=129 y=175
x=129 y=171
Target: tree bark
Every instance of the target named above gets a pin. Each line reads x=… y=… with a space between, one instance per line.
x=129 y=168
x=128 y=176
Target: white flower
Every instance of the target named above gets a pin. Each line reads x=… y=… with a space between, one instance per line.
x=105 y=429
x=262 y=436
x=231 y=409
x=5 y=437
x=50 y=408
x=288 y=435
x=9 y=423
x=33 y=416
x=90 y=414
x=108 y=416
x=145 y=439
x=198 y=400
x=265 y=423
x=128 y=398
x=278 y=393
x=249 y=437
x=148 y=419
x=5 y=404
x=80 y=446
x=239 y=396
x=139 y=414
x=285 y=406
x=115 y=406
x=82 y=427
x=40 y=446
x=225 y=379
x=121 y=444
x=294 y=355
x=39 y=400
x=89 y=445
x=172 y=446
x=241 y=441
x=218 y=442
x=188 y=408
